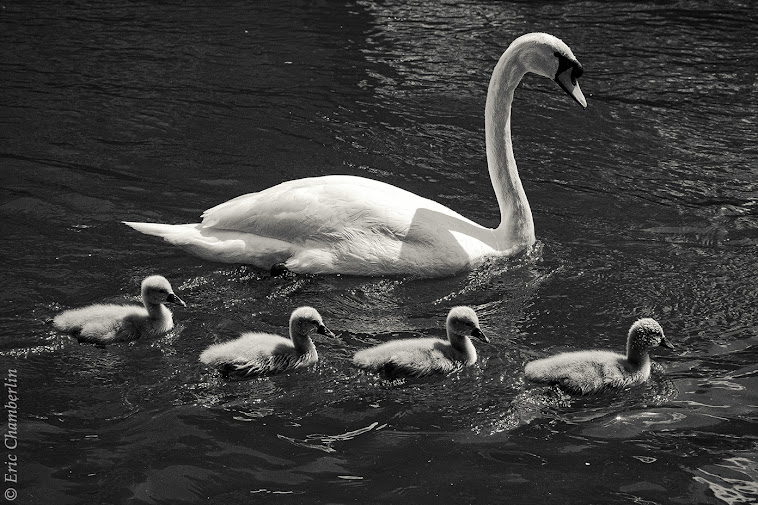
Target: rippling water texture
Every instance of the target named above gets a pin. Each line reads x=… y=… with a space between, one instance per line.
x=645 y=204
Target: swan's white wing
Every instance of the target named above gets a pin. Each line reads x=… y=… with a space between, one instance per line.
x=322 y=208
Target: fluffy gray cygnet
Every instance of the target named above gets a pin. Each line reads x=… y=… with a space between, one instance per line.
x=418 y=357
x=253 y=353
x=587 y=372
x=110 y=323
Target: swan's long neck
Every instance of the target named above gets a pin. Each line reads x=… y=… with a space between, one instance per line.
x=516 y=225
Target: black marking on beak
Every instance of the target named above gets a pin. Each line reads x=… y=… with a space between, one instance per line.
x=172 y=298
x=476 y=332
x=666 y=343
x=323 y=330
x=568 y=72
x=564 y=64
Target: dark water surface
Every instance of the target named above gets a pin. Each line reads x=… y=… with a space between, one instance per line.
x=645 y=204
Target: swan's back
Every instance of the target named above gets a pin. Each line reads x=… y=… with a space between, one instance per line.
x=288 y=210
x=254 y=353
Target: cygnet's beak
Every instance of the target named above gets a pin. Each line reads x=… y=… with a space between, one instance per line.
x=476 y=332
x=172 y=298
x=567 y=80
x=666 y=343
x=323 y=330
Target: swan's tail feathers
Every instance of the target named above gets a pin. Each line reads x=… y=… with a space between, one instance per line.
x=173 y=233
x=225 y=246
x=185 y=236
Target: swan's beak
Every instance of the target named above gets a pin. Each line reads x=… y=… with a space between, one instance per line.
x=570 y=85
x=480 y=335
x=172 y=298
x=666 y=343
x=323 y=330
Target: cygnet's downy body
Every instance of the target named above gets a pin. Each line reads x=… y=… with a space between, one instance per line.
x=585 y=372
x=111 y=323
x=253 y=354
x=419 y=357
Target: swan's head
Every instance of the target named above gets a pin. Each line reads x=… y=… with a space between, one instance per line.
x=463 y=321
x=548 y=56
x=305 y=320
x=156 y=289
x=646 y=334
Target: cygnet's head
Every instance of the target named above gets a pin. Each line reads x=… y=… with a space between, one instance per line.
x=304 y=320
x=550 y=57
x=156 y=289
x=463 y=321
x=646 y=334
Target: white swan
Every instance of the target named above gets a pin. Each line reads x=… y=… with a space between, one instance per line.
x=419 y=357
x=587 y=372
x=253 y=354
x=109 y=323
x=351 y=225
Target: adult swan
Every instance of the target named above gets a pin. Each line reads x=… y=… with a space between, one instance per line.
x=340 y=224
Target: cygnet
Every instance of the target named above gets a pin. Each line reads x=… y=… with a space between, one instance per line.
x=110 y=323
x=253 y=353
x=418 y=357
x=587 y=372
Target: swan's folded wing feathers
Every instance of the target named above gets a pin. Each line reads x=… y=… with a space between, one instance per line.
x=323 y=207
x=273 y=212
